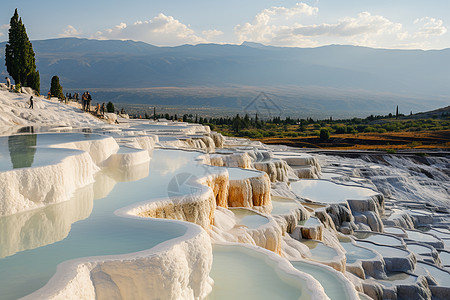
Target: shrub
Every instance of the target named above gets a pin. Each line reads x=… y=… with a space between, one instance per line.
x=370 y=129
x=211 y=126
x=351 y=129
x=110 y=107
x=361 y=128
x=324 y=134
x=340 y=129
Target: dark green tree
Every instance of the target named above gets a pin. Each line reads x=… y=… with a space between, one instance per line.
x=19 y=55
x=324 y=134
x=110 y=107
x=236 y=124
x=56 y=89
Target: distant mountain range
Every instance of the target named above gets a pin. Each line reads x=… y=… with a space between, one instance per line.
x=340 y=79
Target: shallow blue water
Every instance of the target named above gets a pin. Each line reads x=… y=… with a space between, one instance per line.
x=102 y=232
x=324 y=191
x=333 y=285
x=354 y=253
x=31 y=150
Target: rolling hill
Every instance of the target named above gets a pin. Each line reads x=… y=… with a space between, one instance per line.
x=339 y=79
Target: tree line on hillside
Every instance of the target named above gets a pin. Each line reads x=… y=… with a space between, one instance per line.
x=294 y=127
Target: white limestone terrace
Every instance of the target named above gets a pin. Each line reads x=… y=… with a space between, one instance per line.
x=130 y=215
x=102 y=277
x=14 y=112
x=36 y=174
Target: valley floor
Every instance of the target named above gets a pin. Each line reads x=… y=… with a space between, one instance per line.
x=423 y=140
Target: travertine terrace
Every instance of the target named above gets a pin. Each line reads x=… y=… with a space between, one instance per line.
x=169 y=210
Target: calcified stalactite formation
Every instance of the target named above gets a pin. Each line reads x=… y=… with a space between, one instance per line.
x=173 y=210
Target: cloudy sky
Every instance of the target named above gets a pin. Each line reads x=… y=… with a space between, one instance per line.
x=403 y=24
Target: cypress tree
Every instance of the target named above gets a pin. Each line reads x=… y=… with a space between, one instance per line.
x=19 y=55
x=55 y=88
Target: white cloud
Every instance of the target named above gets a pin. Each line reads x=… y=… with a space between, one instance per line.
x=70 y=31
x=212 y=34
x=364 y=24
x=4 y=29
x=162 y=30
x=430 y=27
x=298 y=9
x=263 y=29
x=280 y=26
x=360 y=30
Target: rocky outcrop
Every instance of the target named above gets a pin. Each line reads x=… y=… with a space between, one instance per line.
x=219 y=184
x=399 y=218
x=217 y=138
x=236 y=160
x=196 y=208
x=288 y=221
x=278 y=170
x=416 y=289
x=368 y=211
x=249 y=192
x=312 y=230
x=307 y=172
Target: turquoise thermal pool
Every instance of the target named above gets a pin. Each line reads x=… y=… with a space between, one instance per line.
x=445 y=258
x=334 y=286
x=242 y=273
x=397 y=279
x=281 y=207
x=442 y=277
x=379 y=238
x=384 y=251
x=355 y=253
x=418 y=249
x=239 y=174
x=324 y=191
x=309 y=222
x=96 y=229
x=319 y=251
x=31 y=150
x=249 y=218
x=394 y=230
x=420 y=237
x=441 y=233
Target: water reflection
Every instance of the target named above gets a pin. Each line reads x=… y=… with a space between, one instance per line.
x=98 y=230
x=40 y=227
x=22 y=150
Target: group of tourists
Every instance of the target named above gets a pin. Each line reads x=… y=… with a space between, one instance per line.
x=100 y=110
x=86 y=101
x=74 y=97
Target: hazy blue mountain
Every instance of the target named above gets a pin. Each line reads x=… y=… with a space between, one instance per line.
x=324 y=78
